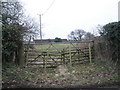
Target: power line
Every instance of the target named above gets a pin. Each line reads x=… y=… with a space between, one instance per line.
x=49 y=7
x=43 y=14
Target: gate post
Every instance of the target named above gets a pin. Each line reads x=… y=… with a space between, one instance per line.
x=90 y=53
x=70 y=55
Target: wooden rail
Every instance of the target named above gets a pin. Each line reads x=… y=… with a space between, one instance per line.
x=60 y=56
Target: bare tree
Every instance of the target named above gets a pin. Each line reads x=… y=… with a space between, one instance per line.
x=31 y=28
x=76 y=35
x=100 y=29
x=89 y=36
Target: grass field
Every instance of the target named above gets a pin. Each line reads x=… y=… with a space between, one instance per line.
x=54 y=46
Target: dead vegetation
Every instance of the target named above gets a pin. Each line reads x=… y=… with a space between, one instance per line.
x=82 y=75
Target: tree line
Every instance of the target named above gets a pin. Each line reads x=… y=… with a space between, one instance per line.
x=79 y=34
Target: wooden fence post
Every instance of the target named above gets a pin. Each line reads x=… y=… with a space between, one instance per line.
x=90 y=53
x=70 y=55
x=43 y=60
x=46 y=61
x=21 y=59
x=26 y=57
x=78 y=51
x=27 y=51
x=93 y=50
x=62 y=57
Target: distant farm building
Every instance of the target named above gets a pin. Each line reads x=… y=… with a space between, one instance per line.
x=38 y=41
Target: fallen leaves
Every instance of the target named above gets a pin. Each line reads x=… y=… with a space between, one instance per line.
x=76 y=75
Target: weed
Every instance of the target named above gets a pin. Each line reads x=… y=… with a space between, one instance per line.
x=81 y=74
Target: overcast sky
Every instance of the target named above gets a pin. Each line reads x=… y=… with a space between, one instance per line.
x=65 y=16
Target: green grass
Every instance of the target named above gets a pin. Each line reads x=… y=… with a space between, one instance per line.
x=57 y=46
